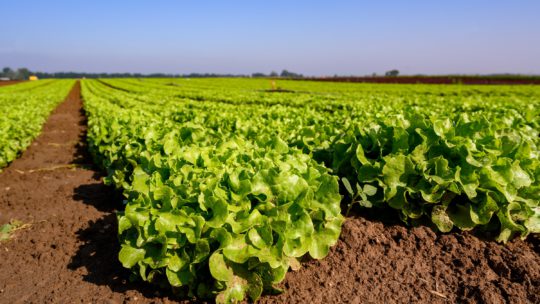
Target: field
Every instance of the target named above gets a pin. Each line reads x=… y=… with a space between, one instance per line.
x=240 y=189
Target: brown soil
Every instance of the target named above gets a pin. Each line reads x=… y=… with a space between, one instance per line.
x=69 y=252
x=387 y=263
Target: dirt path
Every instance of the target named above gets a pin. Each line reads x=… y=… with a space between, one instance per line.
x=69 y=252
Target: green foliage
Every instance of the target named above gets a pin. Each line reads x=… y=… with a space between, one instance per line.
x=459 y=172
x=226 y=184
x=7 y=230
x=212 y=214
x=251 y=209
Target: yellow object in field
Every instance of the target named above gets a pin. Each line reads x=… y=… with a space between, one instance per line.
x=32 y=77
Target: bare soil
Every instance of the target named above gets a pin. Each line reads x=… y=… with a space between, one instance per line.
x=68 y=254
x=376 y=262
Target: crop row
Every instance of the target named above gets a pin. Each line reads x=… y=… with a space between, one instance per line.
x=475 y=140
x=203 y=204
x=25 y=108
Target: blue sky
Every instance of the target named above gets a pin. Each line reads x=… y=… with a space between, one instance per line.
x=310 y=37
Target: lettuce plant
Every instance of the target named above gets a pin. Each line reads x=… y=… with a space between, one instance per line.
x=228 y=219
x=461 y=172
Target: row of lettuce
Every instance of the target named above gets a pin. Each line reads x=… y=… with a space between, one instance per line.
x=25 y=108
x=210 y=210
x=228 y=182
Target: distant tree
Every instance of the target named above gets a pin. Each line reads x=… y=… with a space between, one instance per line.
x=258 y=75
x=274 y=74
x=287 y=74
x=8 y=72
x=22 y=74
x=391 y=73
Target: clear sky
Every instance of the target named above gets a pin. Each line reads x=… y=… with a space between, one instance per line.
x=310 y=37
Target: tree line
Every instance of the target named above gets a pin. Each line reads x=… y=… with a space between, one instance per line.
x=24 y=73
x=18 y=74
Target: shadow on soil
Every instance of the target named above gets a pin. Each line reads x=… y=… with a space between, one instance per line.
x=82 y=155
x=98 y=253
x=103 y=198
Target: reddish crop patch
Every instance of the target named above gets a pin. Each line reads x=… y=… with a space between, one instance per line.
x=473 y=80
x=9 y=82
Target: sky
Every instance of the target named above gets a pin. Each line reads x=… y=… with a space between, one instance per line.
x=242 y=37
